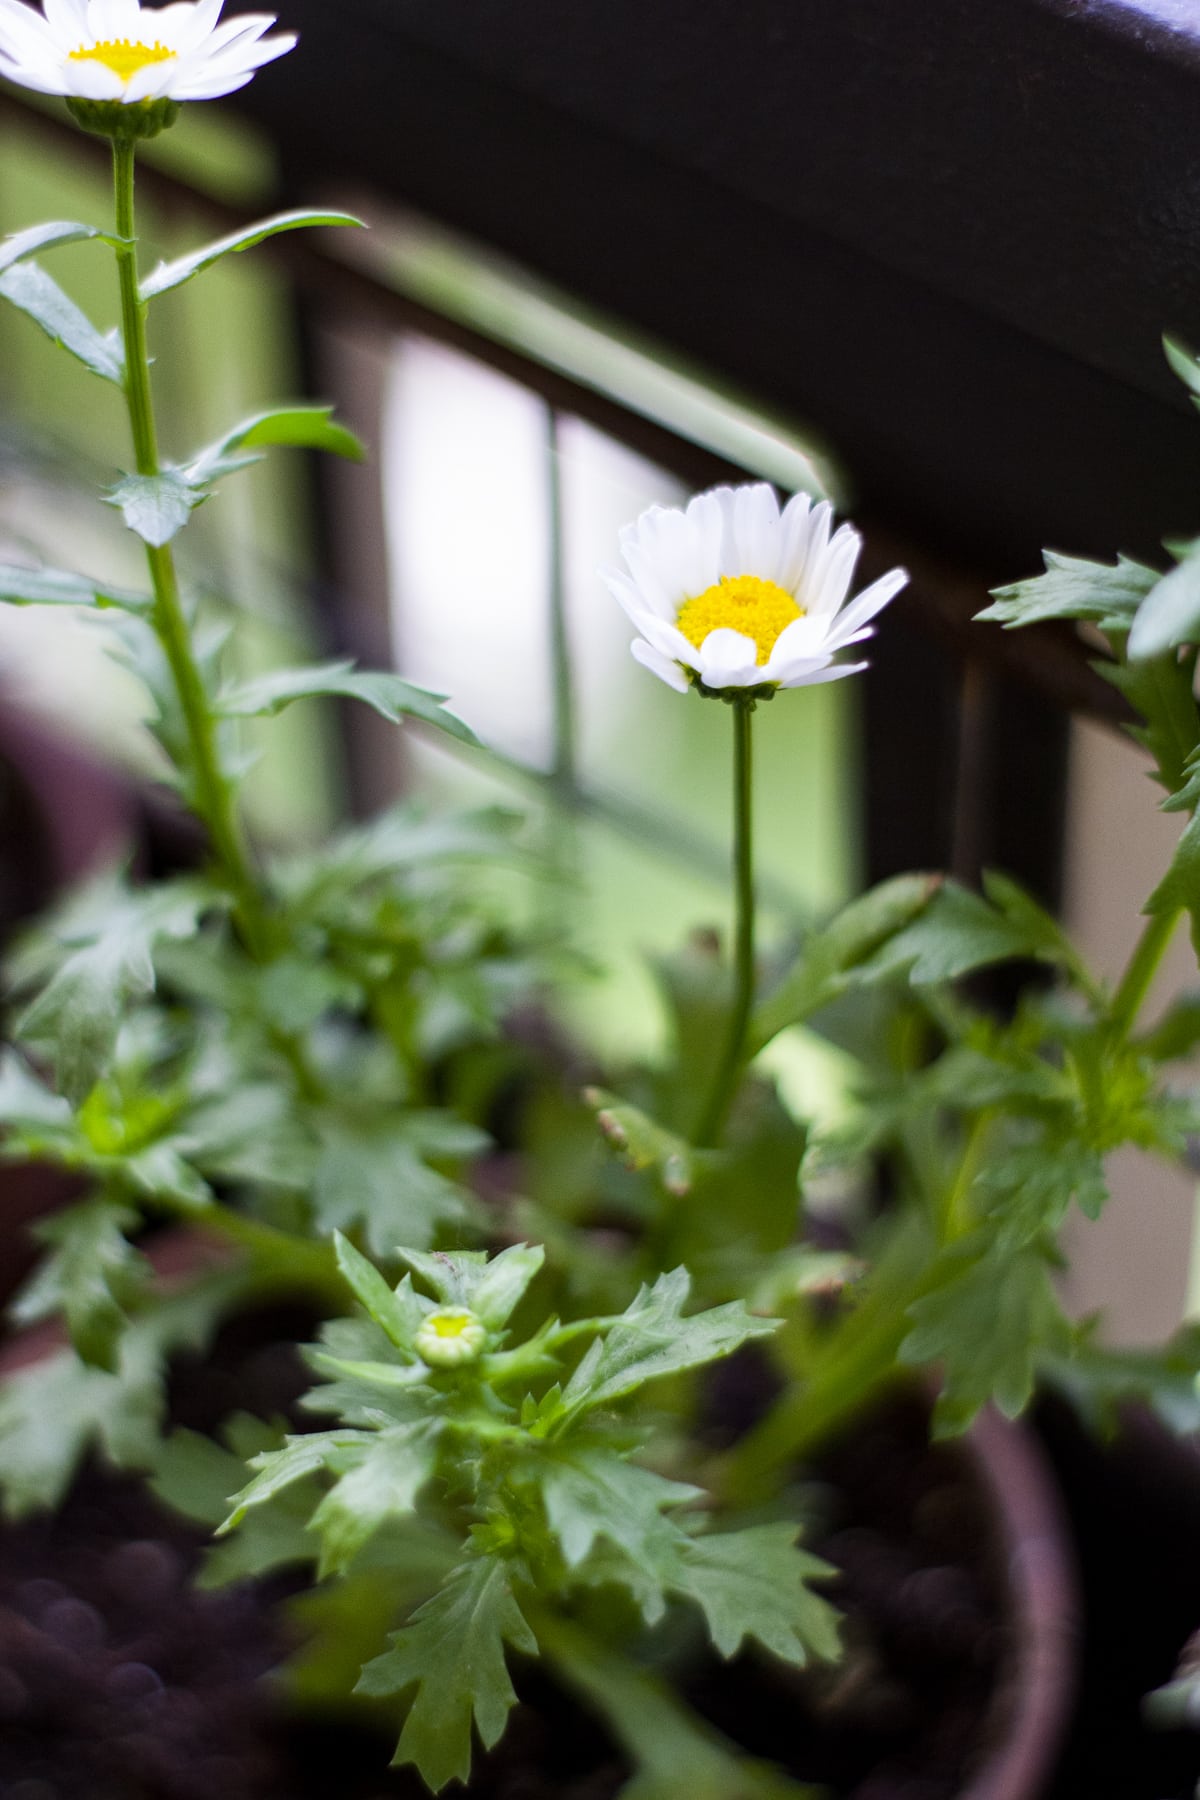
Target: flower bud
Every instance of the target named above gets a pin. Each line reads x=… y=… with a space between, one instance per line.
x=449 y=1337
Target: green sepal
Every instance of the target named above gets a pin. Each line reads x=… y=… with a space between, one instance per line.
x=38 y=295
x=169 y=275
x=122 y=120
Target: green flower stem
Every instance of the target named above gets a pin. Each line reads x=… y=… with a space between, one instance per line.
x=716 y=1112
x=213 y=798
x=1142 y=968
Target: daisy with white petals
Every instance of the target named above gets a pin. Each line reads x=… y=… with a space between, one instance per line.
x=733 y=594
x=119 y=50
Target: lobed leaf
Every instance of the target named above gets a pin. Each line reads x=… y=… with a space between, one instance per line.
x=754 y=1584
x=1074 y=588
x=590 y=1492
x=383 y=1484
x=652 y=1338
x=91 y=1276
x=453 y=1651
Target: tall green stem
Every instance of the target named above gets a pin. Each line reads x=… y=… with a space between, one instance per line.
x=716 y=1112
x=212 y=796
x=1142 y=968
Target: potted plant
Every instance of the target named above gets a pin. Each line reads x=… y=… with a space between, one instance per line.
x=567 y=1408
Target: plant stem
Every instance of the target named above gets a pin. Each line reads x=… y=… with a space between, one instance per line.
x=212 y=796
x=716 y=1112
x=1142 y=968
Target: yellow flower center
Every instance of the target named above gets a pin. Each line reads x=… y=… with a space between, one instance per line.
x=450 y=1325
x=122 y=57
x=759 y=609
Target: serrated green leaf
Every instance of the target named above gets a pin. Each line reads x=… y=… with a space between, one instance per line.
x=453 y=1651
x=300 y=1456
x=1073 y=588
x=92 y=1276
x=39 y=297
x=641 y=1142
x=173 y=274
x=837 y=956
x=380 y=1486
x=372 y=1173
x=502 y=1285
x=390 y=695
x=395 y=1310
x=77 y=1014
x=956 y=933
x=56 y=587
x=1028 y=1188
x=156 y=507
x=652 y=1338
x=55 y=1411
x=754 y=1584
x=290 y=427
x=988 y=1322
x=1159 y=689
x=590 y=1492
x=20 y=244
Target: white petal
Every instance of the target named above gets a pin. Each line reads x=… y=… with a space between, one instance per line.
x=651 y=582
x=872 y=600
x=668 y=641
x=210 y=87
x=729 y=658
x=835 y=672
x=245 y=25
x=658 y=665
x=148 y=83
x=827 y=580
x=109 y=19
x=23 y=28
x=27 y=77
x=752 y=545
x=248 y=54
x=795 y=527
x=804 y=640
x=67 y=20
x=93 y=81
x=190 y=26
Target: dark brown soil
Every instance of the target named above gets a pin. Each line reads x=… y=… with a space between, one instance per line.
x=119 y=1682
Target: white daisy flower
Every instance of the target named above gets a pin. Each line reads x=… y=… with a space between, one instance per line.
x=732 y=593
x=123 y=51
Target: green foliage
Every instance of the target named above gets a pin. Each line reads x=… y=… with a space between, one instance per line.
x=453 y=1654
x=28 y=287
x=294 y=427
x=1072 y=588
x=987 y=1322
x=1169 y=616
x=156 y=507
x=643 y=1144
x=390 y=695
x=54 y=587
x=20 y=244
x=174 y=274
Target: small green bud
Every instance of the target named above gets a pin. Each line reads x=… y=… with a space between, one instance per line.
x=449 y=1337
x=123 y=119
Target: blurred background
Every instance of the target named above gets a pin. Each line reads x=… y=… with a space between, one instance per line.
x=922 y=271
